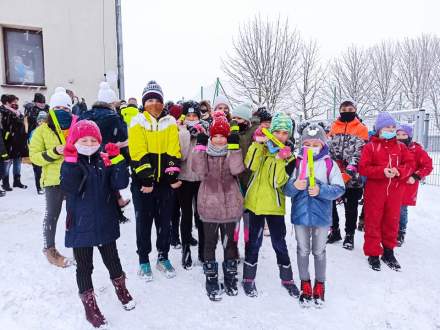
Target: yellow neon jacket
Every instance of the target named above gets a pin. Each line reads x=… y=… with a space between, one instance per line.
x=154 y=148
x=129 y=113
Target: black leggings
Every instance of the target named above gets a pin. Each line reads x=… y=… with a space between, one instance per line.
x=211 y=231
x=84 y=264
x=351 y=201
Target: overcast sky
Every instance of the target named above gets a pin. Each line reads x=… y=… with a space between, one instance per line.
x=180 y=43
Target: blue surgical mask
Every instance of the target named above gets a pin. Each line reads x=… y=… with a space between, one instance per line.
x=387 y=135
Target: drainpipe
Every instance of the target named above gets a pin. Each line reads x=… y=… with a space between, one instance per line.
x=120 y=53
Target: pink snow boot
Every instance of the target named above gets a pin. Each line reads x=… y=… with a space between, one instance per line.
x=123 y=295
x=93 y=314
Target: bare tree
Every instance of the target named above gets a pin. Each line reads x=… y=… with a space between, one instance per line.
x=415 y=68
x=385 y=86
x=263 y=65
x=351 y=78
x=434 y=94
x=307 y=91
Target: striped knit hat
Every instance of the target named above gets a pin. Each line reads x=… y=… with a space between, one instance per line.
x=281 y=122
x=152 y=91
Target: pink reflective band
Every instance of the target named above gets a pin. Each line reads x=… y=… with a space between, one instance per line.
x=172 y=169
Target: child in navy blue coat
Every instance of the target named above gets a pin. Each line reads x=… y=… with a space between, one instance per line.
x=89 y=179
x=312 y=209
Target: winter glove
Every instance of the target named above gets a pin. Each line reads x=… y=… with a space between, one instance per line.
x=233 y=141
x=234 y=127
x=193 y=131
x=172 y=172
x=70 y=153
x=202 y=139
x=285 y=153
x=351 y=170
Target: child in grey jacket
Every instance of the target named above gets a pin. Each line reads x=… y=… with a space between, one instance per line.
x=311 y=211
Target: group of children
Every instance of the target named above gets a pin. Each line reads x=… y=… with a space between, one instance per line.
x=222 y=168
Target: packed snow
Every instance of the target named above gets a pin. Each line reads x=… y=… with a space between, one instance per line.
x=37 y=295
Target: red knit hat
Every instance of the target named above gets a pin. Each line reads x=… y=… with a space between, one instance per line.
x=84 y=128
x=220 y=126
x=176 y=111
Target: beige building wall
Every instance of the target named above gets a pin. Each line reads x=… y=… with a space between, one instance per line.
x=79 y=43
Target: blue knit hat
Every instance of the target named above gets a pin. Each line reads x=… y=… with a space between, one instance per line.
x=384 y=119
x=281 y=122
x=243 y=111
x=152 y=91
x=406 y=128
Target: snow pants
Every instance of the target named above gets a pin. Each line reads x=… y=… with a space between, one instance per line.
x=212 y=230
x=382 y=215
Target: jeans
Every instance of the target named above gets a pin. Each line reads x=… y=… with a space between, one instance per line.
x=156 y=206
x=84 y=264
x=16 y=168
x=403 y=218
x=54 y=202
x=318 y=238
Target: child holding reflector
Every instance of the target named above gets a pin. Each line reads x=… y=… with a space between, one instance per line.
x=314 y=184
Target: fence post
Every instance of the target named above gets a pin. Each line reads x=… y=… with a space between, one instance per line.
x=426 y=131
x=418 y=128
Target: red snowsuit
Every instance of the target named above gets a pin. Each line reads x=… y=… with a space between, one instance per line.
x=383 y=196
x=423 y=167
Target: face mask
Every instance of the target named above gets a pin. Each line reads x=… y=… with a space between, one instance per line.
x=191 y=123
x=64 y=118
x=154 y=109
x=347 y=116
x=14 y=106
x=387 y=135
x=203 y=110
x=407 y=141
x=86 y=150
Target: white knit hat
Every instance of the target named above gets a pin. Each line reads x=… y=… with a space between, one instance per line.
x=220 y=100
x=106 y=94
x=60 y=99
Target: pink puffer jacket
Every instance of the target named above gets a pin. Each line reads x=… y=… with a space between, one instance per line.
x=219 y=199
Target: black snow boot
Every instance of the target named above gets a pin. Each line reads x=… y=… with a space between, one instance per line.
x=2 y=192
x=6 y=186
x=17 y=182
x=374 y=263
x=334 y=236
x=230 y=276
x=186 y=257
x=348 y=242
x=400 y=238
x=390 y=260
x=214 y=289
x=287 y=282
x=249 y=273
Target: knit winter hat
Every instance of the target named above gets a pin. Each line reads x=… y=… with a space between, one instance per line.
x=313 y=132
x=281 y=122
x=191 y=107
x=106 y=94
x=219 y=125
x=221 y=99
x=407 y=129
x=263 y=114
x=42 y=116
x=384 y=119
x=60 y=99
x=243 y=111
x=39 y=98
x=152 y=91
x=84 y=128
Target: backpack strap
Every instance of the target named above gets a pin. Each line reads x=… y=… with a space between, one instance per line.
x=329 y=165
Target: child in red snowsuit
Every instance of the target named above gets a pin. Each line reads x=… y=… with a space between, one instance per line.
x=423 y=167
x=387 y=164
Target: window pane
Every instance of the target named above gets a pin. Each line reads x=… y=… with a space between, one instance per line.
x=24 y=57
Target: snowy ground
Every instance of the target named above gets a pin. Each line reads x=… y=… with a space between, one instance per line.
x=36 y=295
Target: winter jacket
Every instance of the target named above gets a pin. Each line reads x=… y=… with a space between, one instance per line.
x=92 y=208
x=154 y=148
x=14 y=134
x=219 y=199
x=423 y=167
x=265 y=195
x=30 y=114
x=42 y=152
x=3 y=153
x=379 y=154
x=112 y=127
x=128 y=113
x=346 y=142
x=315 y=211
x=187 y=144
x=245 y=143
x=79 y=108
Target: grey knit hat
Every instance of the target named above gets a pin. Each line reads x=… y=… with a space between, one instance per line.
x=313 y=132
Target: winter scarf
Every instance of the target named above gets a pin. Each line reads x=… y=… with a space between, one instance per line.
x=215 y=151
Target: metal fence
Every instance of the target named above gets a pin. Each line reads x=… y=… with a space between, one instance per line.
x=426 y=127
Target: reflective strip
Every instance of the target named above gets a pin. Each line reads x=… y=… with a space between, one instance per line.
x=116 y=160
x=6 y=135
x=235 y=128
x=233 y=146
x=141 y=168
x=47 y=158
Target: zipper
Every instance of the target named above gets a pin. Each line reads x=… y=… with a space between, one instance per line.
x=159 y=152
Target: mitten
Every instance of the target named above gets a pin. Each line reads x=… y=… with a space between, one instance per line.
x=70 y=153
